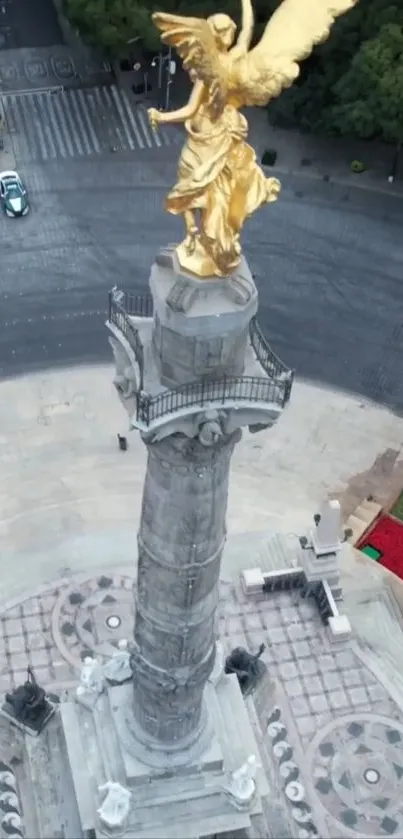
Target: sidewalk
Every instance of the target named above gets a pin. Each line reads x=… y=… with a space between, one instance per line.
x=325 y=158
x=70 y=500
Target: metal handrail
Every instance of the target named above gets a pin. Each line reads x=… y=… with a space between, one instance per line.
x=119 y=317
x=277 y=388
x=207 y=391
x=271 y=363
x=135 y=305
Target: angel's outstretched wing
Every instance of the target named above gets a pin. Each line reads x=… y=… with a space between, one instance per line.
x=194 y=41
x=292 y=32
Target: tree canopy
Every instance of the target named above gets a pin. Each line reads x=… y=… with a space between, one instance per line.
x=112 y=24
x=370 y=94
x=353 y=83
x=109 y=24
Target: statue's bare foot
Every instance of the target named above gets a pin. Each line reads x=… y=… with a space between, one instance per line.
x=190 y=240
x=273 y=187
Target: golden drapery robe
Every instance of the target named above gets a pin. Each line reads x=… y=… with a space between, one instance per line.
x=218 y=175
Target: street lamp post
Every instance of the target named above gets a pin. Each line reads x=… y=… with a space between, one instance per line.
x=164 y=62
x=395 y=163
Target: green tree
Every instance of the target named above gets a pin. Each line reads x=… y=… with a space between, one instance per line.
x=112 y=24
x=370 y=94
x=310 y=102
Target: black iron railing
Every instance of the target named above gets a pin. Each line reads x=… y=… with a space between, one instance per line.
x=271 y=363
x=209 y=391
x=276 y=389
x=119 y=316
x=135 y=305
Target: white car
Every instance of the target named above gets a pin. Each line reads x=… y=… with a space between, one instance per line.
x=13 y=195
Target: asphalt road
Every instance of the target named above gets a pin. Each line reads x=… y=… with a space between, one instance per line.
x=328 y=263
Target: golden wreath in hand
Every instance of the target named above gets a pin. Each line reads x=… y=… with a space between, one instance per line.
x=153 y=118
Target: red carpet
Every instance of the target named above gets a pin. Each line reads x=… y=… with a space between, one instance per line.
x=384 y=544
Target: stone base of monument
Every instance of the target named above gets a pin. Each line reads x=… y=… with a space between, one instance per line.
x=188 y=800
x=32 y=728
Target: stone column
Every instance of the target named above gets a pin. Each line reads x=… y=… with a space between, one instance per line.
x=200 y=330
x=180 y=543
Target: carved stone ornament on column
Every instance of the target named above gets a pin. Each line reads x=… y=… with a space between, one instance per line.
x=207 y=427
x=115 y=807
x=211 y=427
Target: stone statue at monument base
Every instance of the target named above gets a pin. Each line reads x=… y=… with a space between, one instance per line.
x=248 y=668
x=27 y=706
x=115 y=808
x=92 y=682
x=118 y=670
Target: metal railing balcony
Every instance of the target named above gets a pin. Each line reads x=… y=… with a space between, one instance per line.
x=275 y=389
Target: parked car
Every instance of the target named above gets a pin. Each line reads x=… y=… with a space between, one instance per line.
x=13 y=195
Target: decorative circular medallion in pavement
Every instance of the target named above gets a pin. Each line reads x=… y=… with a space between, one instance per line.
x=91 y=617
x=356 y=766
x=113 y=621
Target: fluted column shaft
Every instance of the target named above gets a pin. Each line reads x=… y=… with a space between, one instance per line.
x=180 y=543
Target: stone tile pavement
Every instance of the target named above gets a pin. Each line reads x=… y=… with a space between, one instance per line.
x=55 y=629
x=344 y=730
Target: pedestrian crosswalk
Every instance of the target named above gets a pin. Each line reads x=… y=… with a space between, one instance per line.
x=70 y=123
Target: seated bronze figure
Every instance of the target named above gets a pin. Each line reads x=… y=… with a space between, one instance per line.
x=28 y=706
x=247 y=667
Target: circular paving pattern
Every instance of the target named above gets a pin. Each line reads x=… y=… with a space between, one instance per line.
x=356 y=765
x=92 y=617
x=372 y=776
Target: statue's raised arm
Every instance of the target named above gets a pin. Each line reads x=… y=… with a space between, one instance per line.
x=292 y=32
x=246 y=33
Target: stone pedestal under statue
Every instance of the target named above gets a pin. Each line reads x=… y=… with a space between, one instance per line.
x=190 y=377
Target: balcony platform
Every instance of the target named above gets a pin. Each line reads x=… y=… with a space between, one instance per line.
x=258 y=396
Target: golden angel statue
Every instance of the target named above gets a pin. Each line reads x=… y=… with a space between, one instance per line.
x=219 y=182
